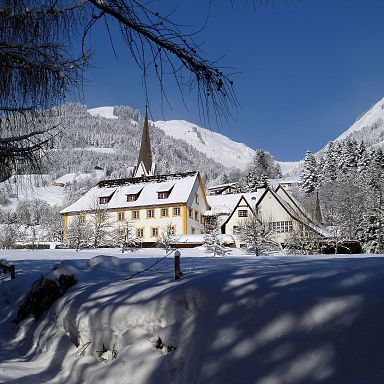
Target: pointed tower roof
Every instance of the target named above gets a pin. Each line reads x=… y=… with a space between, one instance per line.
x=145 y=154
x=317 y=211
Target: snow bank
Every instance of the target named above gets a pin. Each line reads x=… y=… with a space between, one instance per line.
x=259 y=320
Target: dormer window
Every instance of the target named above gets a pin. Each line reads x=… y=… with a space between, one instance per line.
x=105 y=195
x=104 y=199
x=133 y=192
x=132 y=197
x=164 y=190
x=163 y=195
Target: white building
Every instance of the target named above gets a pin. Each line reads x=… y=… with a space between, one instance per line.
x=278 y=209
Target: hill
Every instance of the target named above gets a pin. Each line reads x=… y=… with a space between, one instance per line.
x=369 y=127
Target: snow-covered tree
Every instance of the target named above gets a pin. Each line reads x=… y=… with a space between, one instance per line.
x=257 y=235
x=329 y=163
x=309 y=176
x=79 y=233
x=125 y=236
x=303 y=240
x=100 y=225
x=213 y=242
x=167 y=238
x=262 y=167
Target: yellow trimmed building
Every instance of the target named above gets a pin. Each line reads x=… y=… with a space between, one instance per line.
x=149 y=203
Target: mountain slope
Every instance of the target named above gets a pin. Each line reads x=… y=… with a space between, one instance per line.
x=215 y=145
x=369 y=127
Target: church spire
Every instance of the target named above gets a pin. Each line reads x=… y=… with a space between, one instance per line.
x=145 y=165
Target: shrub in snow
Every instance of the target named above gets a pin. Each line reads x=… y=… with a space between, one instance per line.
x=43 y=293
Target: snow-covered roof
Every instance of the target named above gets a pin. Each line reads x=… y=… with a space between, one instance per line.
x=134 y=189
x=182 y=183
x=105 y=192
x=286 y=180
x=165 y=187
x=213 y=187
x=225 y=204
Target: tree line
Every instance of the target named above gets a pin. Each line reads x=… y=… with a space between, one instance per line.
x=348 y=180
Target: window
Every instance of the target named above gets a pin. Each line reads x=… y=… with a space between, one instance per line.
x=172 y=230
x=196 y=198
x=243 y=213
x=201 y=219
x=131 y=197
x=154 y=231
x=164 y=212
x=150 y=213
x=140 y=233
x=196 y=216
x=81 y=219
x=236 y=230
x=176 y=211
x=104 y=200
x=163 y=195
x=135 y=214
x=120 y=216
x=190 y=212
x=281 y=226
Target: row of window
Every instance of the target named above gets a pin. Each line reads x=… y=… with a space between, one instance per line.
x=281 y=226
x=154 y=232
x=277 y=226
x=150 y=213
x=196 y=215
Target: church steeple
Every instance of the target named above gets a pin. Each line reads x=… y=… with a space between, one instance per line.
x=145 y=165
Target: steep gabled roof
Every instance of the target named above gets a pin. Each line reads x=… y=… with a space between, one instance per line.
x=281 y=201
x=145 y=154
x=242 y=198
x=309 y=223
x=293 y=201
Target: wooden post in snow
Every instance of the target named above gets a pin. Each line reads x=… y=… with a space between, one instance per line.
x=177 y=265
x=13 y=271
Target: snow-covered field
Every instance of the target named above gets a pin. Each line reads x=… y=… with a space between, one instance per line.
x=232 y=319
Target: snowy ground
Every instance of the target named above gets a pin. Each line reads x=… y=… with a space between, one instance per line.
x=233 y=319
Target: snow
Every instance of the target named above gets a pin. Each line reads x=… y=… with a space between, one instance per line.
x=23 y=187
x=100 y=150
x=262 y=320
x=290 y=168
x=181 y=191
x=213 y=144
x=200 y=239
x=225 y=204
x=106 y=112
x=369 y=118
x=70 y=178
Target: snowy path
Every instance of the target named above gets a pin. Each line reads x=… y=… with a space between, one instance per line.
x=266 y=320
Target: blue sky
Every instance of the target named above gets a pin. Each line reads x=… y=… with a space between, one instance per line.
x=305 y=69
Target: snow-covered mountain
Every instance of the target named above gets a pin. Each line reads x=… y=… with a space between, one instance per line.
x=368 y=127
x=213 y=144
x=106 y=112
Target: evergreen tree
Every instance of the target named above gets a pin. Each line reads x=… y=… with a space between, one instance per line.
x=262 y=167
x=329 y=161
x=309 y=176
